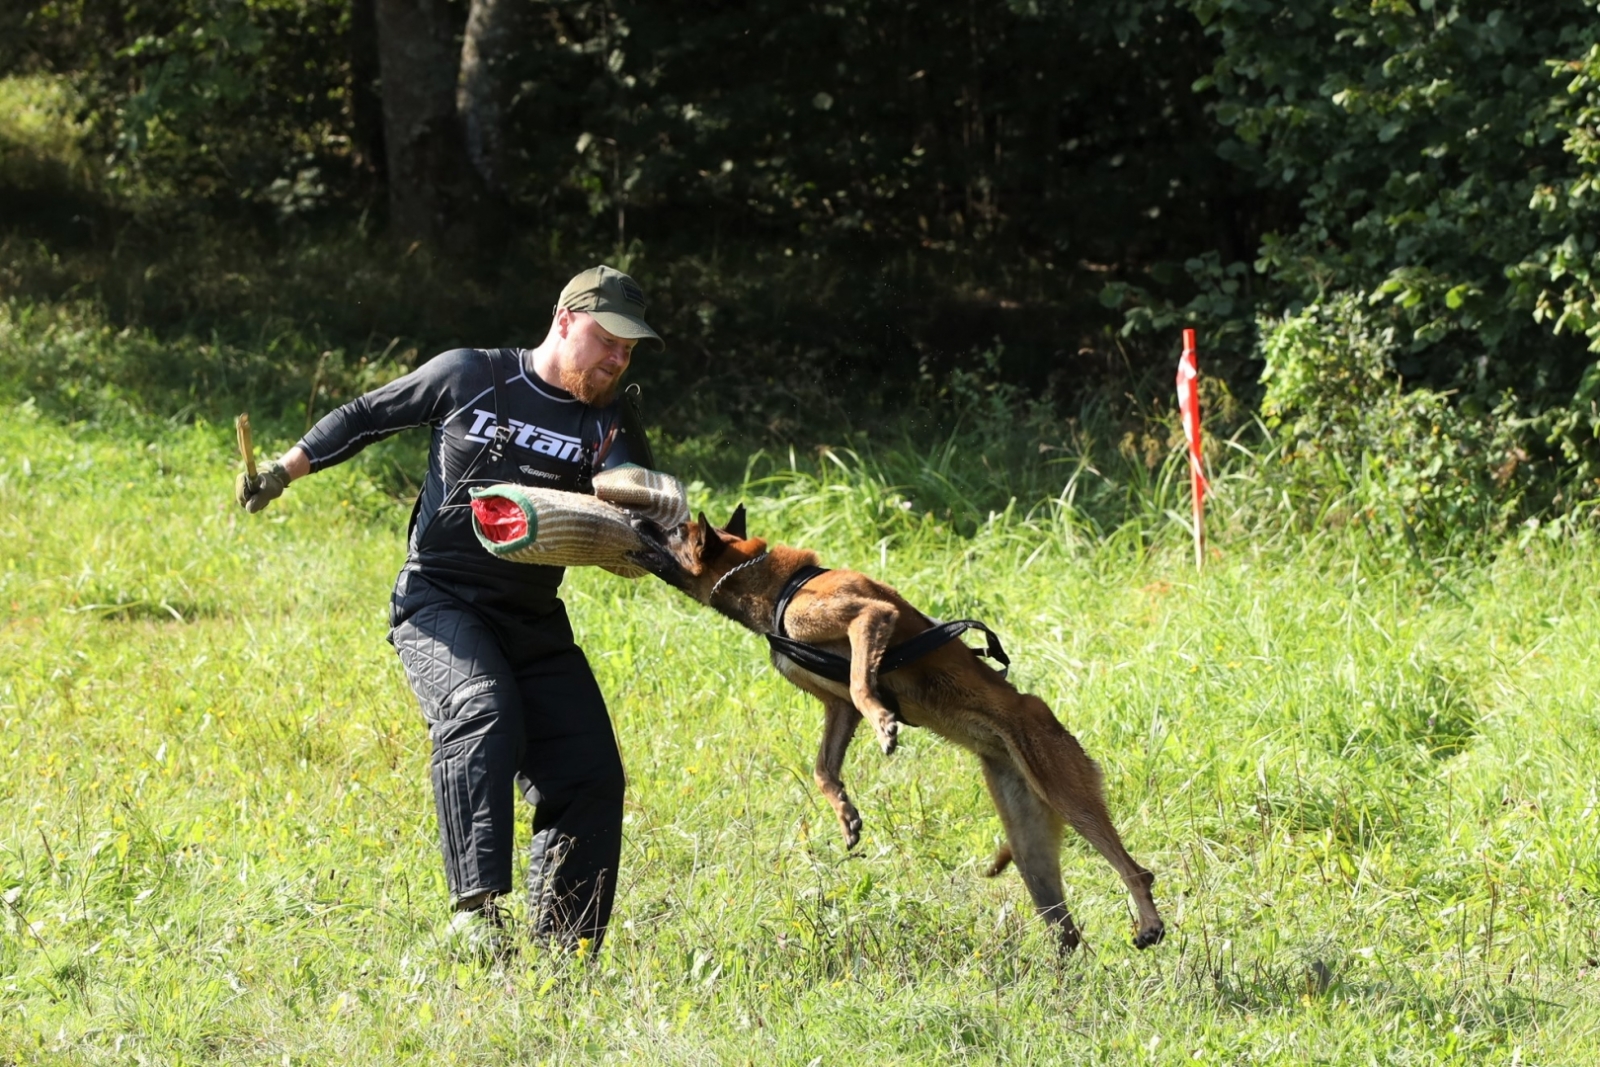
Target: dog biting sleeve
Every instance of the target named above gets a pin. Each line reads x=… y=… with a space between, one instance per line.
x=532 y=524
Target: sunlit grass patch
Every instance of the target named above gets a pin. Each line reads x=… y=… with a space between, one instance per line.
x=1369 y=802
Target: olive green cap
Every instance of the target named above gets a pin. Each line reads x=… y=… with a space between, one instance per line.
x=614 y=299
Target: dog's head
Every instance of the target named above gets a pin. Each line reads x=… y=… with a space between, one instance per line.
x=695 y=555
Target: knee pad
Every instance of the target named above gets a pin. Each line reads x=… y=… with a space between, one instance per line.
x=478 y=708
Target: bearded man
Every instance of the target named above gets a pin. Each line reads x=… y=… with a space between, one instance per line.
x=508 y=695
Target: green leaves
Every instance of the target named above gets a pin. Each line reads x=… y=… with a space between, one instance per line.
x=1568 y=210
x=204 y=99
x=1413 y=468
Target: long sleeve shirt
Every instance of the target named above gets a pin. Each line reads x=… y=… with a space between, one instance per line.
x=547 y=438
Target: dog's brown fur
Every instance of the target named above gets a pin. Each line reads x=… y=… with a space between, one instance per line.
x=1038 y=774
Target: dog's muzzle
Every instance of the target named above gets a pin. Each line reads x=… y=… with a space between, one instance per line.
x=654 y=555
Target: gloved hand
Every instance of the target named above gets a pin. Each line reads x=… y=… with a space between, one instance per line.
x=271 y=480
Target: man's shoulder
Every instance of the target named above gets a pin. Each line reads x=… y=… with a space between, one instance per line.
x=461 y=357
x=468 y=367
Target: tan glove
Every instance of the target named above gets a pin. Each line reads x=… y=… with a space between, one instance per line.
x=649 y=494
x=269 y=484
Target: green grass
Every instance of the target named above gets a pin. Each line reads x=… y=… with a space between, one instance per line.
x=1369 y=794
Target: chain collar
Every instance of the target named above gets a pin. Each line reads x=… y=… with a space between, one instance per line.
x=736 y=570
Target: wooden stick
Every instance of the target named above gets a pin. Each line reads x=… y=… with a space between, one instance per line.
x=241 y=427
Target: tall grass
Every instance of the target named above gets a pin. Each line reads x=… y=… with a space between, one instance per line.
x=1366 y=788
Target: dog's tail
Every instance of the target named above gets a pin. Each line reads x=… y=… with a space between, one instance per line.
x=1055 y=765
x=1002 y=860
x=1061 y=773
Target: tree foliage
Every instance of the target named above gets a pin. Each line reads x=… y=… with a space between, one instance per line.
x=205 y=105
x=855 y=196
x=1414 y=146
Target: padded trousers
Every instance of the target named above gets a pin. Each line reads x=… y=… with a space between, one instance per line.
x=511 y=703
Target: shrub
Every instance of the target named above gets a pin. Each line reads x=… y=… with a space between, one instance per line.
x=1357 y=445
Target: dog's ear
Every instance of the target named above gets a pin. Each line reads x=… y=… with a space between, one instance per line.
x=704 y=541
x=699 y=534
x=711 y=541
x=735 y=524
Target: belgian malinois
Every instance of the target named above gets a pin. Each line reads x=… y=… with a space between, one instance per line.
x=1038 y=774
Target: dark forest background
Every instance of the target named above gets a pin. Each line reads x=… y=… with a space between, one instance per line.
x=856 y=217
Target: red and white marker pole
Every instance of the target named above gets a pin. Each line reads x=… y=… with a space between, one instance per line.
x=1189 y=408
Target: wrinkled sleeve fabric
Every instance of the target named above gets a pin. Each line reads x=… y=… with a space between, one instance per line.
x=425 y=397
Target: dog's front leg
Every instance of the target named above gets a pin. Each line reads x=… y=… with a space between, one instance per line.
x=838 y=728
x=870 y=631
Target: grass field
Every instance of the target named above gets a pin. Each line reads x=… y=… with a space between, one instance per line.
x=1369 y=794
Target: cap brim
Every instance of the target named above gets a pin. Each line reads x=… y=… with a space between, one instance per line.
x=615 y=322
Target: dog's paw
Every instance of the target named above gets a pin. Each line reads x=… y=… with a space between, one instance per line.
x=851 y=825
x=1150 y=935
x=888 y=736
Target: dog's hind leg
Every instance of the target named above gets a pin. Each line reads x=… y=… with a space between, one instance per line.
x=1033 y=842
x=1090 y=818
x=1069 y=781
x=838 y=728
x=1088 y=815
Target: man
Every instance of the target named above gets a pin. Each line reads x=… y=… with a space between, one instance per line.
x=486 y=645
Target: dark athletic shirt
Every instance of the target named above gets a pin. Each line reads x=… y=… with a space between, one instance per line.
x=455 y=393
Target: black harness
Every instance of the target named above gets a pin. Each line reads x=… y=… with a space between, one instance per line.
x=836 y=668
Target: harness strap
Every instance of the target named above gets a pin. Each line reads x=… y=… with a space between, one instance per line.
x=497 y=446
x=494 y=448
x=836 y=668
x=790 y=588
x=914 y=649
x=633 y=429
x=829 y=665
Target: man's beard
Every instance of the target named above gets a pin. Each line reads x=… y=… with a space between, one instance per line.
x=592 y=387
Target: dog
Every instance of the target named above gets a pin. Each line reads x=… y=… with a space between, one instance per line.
x=1038 y=775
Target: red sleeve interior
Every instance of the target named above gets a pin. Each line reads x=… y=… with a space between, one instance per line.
x=500 y=519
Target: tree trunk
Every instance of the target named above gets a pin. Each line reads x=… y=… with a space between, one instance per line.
x=366 y=94
x=436 y=198
x=483 y=92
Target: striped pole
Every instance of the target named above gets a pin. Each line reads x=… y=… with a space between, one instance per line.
x=1189 y=408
